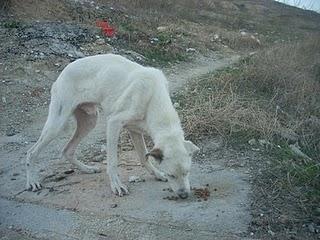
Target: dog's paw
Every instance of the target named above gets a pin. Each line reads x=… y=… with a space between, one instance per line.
x=160 y=176
x=33 y=185
x=117 y=187
x=119 y=190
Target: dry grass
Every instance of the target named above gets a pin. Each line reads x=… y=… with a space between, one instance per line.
x=226 y=113
x=275 y=90
x=288 y=76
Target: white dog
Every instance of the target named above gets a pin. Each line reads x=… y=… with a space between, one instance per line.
x=132 y=96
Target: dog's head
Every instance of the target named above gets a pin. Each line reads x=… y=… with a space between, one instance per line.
x=175 y=163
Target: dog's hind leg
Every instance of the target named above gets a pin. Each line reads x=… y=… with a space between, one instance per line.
x=58 y=116
x=86 y=116
x=140 y=147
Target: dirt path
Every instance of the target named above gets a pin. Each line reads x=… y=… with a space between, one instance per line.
x=92 y=212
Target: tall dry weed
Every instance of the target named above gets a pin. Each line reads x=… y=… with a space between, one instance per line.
x=274 y=91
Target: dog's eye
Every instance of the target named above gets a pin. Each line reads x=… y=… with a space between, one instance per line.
x=171 y=176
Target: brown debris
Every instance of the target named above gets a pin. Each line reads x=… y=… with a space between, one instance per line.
x=201 y=193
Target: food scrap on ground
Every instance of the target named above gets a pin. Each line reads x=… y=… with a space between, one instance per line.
x=201 y=193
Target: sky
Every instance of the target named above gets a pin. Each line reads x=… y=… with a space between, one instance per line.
x=307 y=4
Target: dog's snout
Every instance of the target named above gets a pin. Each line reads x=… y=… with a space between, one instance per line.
x=182 y=193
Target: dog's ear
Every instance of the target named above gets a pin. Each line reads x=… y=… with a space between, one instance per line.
x=191 y=147
x=156 y=153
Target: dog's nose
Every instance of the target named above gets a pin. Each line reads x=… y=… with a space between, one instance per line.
x=183 y=194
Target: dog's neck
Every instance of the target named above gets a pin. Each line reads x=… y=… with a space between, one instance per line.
x=163 y=122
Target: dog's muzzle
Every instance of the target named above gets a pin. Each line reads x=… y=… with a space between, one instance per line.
x=182 y=193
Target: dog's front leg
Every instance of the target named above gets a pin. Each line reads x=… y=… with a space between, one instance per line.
x=140 y=146
x=113 y=131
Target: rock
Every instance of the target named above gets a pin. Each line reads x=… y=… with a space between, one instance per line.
x=114 y=205
x=99 y=158
x=190 y=50
x=103 y=148
x=176 y=105
x=162 y=28
x=52 y=38
x=252 y=142
x=11 y=132
x=154 y=40
x=69 y=171
x=243 y=33
x=133 y=179
x=134 y=56
x=100 y=41
x=264 y=142
x=296 y=150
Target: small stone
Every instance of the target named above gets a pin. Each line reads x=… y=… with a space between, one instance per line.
x=69 y=171
x=243 y=33
x=114 y=205
x=37 y=71
x=176 y=105
x=100 y=41
x=11 y=132
x=252 y=142
x=135 y=179
x=190 y=50
x=264 y=142
x=162 y=28
x=103 y=148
